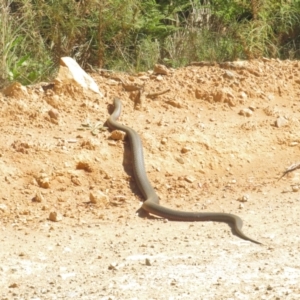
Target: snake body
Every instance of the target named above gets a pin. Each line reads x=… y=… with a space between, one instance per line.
x=151 y=203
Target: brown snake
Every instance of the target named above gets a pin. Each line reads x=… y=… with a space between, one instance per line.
x=151 y=203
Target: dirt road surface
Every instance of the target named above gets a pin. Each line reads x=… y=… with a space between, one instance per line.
x=216 y=139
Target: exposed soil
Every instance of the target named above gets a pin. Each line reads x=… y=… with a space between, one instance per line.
x=216 y=139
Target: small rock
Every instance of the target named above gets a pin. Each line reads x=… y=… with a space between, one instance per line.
x=55 y=216
x=295 y=188
x=75 y=180
x=189 y=179
x=84 y=164
x=53 y=113
x=281 y=122
x=161 y=69
x=129 y=87
x=38 y=197
x=3 y=207
x=246 y=112
x=180 y=160
x=113 y=266
x=71 y=72
x=117 y=135
x=98 y=197
x=164 y=141
x=147 y=262
x=241 y=206
x=243 y=95
x=229 y=75
x=243 y=198
x=43 y=180
x=175 y=103
x=13 y=285
x=185 y=149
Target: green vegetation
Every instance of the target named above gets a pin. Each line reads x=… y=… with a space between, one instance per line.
x=133 y=35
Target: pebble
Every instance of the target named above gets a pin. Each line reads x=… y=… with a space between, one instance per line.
x=113 y=266
x=161 y=69
x=147 y=262
x=189 y=179
x=229 y=75
x=53 y=113
x=164 y=141
x=180 y=160
x=117 y=135
x=98 y=197
x=3 y=207
x=55 y=216
x=281 y=122
x=243 y=198
x=38 y=197
x=246 y=112
x=185 y=149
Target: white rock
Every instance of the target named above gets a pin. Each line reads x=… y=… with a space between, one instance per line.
x=70 y=70
x=281 y=122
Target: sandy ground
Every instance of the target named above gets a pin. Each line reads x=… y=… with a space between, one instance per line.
x=216 y=139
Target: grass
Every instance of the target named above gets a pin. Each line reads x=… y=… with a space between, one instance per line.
x=134 y=35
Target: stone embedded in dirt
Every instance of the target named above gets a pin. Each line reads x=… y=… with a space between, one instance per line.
x=71 y=73
x=175 y=103
x=21 y=146
x=13 y=285
x=16 y=90
x=295 y=188
x=243 y=198
x=246 y=112
x=224 y=95
x=281 y=122
x=243 y=95
x=189 y=179
x=3 y=207
x=148 y=262
x=53 y=113
x=159 y=78
x=98 y=197
x=54 y=100
x=164 y=141
x=113 y=266
x=55 y=216
x=229 y=75
x=38 y=197
x=130 y=87
x=43 y=180
x=75 y=180
x=117 y=135
x=185 y=149
x=180 y=160
x=161 y=69
x=84 y=164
